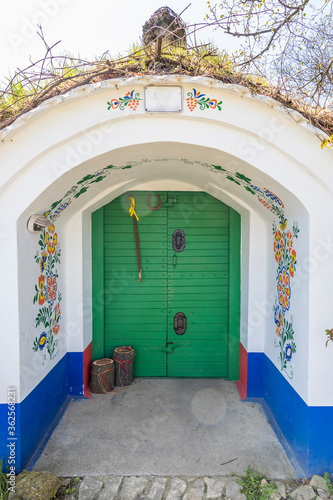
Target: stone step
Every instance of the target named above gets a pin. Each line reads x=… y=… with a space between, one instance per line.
x=161 y=488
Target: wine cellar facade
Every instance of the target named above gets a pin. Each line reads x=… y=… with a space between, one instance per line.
x=233 y=196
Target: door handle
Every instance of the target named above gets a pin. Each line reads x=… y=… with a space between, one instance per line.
x=174 y=261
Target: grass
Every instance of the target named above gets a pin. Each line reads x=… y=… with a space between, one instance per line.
x=57 y=75
x=3 y=484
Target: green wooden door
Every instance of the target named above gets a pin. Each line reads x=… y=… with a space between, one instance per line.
x=201 y=281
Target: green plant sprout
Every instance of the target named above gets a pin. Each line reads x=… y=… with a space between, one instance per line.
x=327 y=476
x=3 y=484
x=329 y=334
x=255 y=486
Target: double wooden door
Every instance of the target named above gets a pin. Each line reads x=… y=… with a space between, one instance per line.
x=182 y=318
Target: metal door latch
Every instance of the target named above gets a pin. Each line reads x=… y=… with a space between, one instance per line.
x=180 y=323
x=178 y=240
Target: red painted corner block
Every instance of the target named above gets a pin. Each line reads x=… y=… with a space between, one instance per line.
x=242 y=383
x=87 y=360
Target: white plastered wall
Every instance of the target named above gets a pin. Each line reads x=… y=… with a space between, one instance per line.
x=48 y=150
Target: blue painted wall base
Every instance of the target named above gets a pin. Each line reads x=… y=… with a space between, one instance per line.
x=35 y=414
x=75 y=373
x=307 y=430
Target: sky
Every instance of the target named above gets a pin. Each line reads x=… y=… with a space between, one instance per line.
x=85 y=27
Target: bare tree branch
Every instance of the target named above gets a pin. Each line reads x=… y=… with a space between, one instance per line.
x=290 y=42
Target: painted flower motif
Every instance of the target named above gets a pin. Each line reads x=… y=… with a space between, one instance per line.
x=114 y=103
x=278 y=318
x=41 y=295
x=293 y=262
x=42 y=341
x=212 y=103
x=283 y=223
x=288 y=352
x=289 y=241
x=284 y=290
x=256 y=188
x=56 y=319
x=42 y=262
x=51 y=288
x=51 y=239
x=278 y=246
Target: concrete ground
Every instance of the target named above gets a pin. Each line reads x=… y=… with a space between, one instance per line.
x=180 y=427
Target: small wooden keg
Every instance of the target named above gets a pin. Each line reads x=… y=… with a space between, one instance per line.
x=102 y=376
x=123 y=360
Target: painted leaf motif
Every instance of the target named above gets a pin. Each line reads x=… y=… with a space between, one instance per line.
x=98 y=179
x=85 y=179
x=243 y=177
x=82 y=191
x=232 y=179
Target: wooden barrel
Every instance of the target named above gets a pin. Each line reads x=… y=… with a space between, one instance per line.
x=123 y=361
x=102 y=376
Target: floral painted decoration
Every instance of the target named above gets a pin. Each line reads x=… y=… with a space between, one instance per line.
x=130 y=99
x=41 y=342
x=278 y=246
x=278 y=318
x=47 y=295
x=285 y=257
x=51 y=239
x=284 y=290
x=289 y=352
x=51 y=288
x=56 y=319
x=268 y=199
x=195 y=98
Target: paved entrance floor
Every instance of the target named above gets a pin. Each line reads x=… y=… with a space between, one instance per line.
x=162 y=427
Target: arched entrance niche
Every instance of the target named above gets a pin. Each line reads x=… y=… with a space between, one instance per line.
x=77 y=157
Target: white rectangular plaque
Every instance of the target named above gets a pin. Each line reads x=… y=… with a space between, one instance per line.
x=163 y=99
